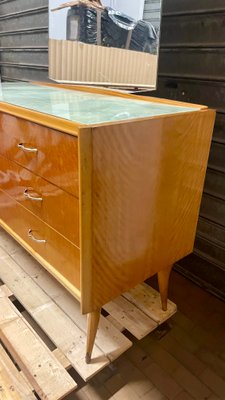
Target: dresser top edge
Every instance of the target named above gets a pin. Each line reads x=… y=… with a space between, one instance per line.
x=57 y=118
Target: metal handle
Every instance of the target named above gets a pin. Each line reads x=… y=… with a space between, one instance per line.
x=30 y=197
x=27 y=149
x=30 y=234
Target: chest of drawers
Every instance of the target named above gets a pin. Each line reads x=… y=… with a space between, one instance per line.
x=103 y=189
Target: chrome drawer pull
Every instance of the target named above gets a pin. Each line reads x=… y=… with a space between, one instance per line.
x=30 y=234
x=33 y=198
x=27 y=149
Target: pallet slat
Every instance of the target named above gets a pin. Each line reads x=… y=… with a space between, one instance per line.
x=7 y=293
x=61 y=358
x=46 y=374
x=9 y=245
x=66 y=336
x=148 y=301
x=4 y=291
x=115 y=323
x=112 y=345
x=12 y=384
x=51 y=310
x=133 y=319
x=57 y=353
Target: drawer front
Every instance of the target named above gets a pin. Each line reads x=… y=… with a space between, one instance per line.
x=48 y=153
x=61 y=254
x=53 y=205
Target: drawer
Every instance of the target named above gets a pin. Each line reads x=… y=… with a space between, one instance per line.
x=62 y=255
x=57 y=208
x=48 y=153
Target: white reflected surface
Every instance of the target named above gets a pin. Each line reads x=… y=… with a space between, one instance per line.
x=82 y=107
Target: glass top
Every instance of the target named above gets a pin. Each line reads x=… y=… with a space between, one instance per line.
x=82 y=107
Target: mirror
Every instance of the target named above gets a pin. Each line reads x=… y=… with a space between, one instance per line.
x=112 y=43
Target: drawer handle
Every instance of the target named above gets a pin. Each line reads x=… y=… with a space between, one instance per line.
x=30 y=197
x=30 y=234
x=27 y=149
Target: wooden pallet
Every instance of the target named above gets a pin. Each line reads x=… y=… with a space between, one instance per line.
x=47 y=334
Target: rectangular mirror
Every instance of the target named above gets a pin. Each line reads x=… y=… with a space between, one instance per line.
x=111 y=43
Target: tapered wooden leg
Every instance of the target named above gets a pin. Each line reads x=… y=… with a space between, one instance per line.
x=163 y=281
x=92 y=326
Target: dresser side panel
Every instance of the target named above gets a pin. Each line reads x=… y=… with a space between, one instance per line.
x=147 y=182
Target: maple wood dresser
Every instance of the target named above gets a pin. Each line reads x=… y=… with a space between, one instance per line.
x=102 y=188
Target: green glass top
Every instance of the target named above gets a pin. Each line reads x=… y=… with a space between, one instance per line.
x=82 y=107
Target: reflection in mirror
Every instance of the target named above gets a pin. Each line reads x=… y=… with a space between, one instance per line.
x=105 y=42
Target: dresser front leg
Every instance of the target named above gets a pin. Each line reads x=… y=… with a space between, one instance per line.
x=163 y=282
x=92 y=326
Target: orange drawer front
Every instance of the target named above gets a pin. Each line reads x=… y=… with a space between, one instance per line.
x=41 y=240
x=53 y=205
x=48 y=153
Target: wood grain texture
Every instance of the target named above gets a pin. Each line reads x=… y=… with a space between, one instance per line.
x=130 y=317
x=62 y=331
x=53 y=209
x=109 y=339
x=148 y=301
x=13 y=385
x=11 y=244
x=139 y=183
x=4 y=291
x=8 y=243
x=147 y=181
x=62 y=359
x=56 y=352
x=46 y=374
x=59 y=256
x=57 y=156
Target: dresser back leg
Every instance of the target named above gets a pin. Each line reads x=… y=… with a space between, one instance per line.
x=163 y=282
x=92 y=326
